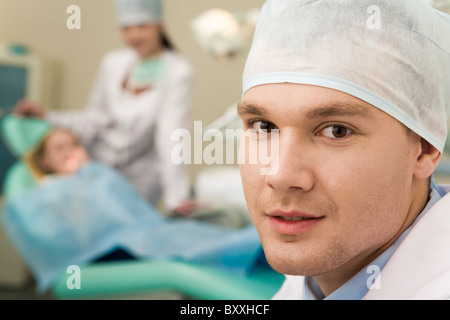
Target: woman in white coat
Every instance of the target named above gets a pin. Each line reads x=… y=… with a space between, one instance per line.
x=141 y=95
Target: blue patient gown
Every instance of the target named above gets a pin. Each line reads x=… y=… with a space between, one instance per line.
x=75 y=220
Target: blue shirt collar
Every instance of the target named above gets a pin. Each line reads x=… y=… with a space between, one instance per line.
x=359 y=285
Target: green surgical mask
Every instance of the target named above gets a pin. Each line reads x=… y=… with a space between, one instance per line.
x=146 y=73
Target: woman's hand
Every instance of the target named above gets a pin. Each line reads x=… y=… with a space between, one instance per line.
x=29 y=109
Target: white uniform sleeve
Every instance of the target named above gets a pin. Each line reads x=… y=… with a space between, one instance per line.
x=88 y=122
x=175 y=114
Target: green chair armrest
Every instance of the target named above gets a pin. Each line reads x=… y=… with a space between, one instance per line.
x=189 y=279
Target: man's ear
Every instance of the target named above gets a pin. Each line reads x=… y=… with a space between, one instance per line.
x=427 y=161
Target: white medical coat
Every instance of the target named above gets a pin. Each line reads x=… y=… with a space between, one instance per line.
x=133 y=132
x=418 y=270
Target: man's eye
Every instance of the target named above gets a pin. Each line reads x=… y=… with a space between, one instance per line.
x=336 y=132
x=262 y=126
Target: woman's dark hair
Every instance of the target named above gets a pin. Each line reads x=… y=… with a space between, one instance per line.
x=167 y=44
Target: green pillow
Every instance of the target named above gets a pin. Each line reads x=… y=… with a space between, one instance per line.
x=17 y=180
x=22 y=134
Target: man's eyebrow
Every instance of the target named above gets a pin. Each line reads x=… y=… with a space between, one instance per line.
x=251 y=109
x=339 y=109
x=336 y=109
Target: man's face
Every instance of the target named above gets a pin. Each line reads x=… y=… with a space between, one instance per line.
x=343 y=186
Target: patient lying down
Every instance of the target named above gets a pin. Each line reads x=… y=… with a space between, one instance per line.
x=87 y=212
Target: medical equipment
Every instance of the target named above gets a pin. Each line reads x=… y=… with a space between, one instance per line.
x=23 y=74
x=14 y=272
x=399 y=63
x=5 y=111
x=76 y=220
x=7 y=158
x=222 y=33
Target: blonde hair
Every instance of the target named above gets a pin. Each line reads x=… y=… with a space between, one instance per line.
x=34 y=159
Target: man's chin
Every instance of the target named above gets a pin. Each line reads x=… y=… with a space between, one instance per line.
x=290 y=259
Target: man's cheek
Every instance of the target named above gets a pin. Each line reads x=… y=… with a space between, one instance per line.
x=252 y=182
x=351 y=172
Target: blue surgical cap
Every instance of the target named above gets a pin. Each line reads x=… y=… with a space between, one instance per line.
x=137 y=12
x=393 y=54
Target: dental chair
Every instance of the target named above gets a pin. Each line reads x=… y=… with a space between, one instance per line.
x=155 y=279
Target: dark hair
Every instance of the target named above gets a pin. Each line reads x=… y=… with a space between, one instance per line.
x=167 y=44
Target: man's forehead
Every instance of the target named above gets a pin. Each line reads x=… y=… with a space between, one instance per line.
x=311 y=108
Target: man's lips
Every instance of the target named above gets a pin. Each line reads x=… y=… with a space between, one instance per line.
x=292 y=214
x=292 y=222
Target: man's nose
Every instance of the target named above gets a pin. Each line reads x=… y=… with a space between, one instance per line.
x=291 y=167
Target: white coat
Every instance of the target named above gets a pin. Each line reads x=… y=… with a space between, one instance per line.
x=133 y=132
x=418 y=270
